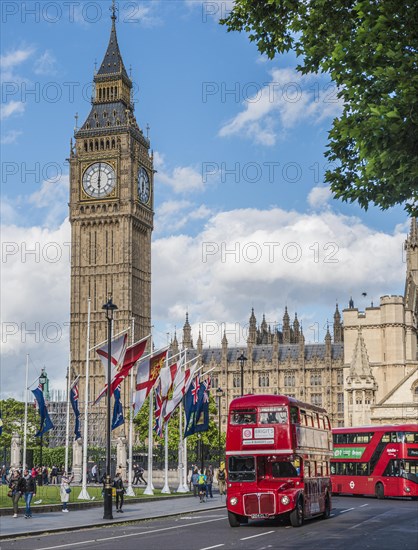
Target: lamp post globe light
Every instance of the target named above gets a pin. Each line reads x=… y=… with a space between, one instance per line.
x=43 y=378
x=219 y=394
x=109 y=307
x=242 y=360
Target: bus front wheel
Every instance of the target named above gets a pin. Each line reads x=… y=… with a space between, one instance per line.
x=327 y=511
x=296 y=515
x=233 y=519
x=379 y=491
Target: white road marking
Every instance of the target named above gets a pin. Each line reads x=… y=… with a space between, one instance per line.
x=209 y=547
x=259 y=535
x=348 y=509
x=128 y=535
x=363 y=505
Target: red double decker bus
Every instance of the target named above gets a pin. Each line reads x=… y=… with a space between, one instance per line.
x=376 y=460
x=278 y=451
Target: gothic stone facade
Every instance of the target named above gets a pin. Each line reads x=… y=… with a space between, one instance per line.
x=277 y=362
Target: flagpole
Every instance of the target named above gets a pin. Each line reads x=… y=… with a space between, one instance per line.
x=25 y=424
x=129 y=491
x=185 y=470
x=181 y=488
x=149 y=488
x=67 y=421
x=166 y=488
x=84 y=495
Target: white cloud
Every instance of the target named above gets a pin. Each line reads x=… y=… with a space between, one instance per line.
x=52 y=195
x=172 y=215
x=45 y=64
x=35 y=302
x=268 y=259
x=181 y=179
x=14 y=58
x=12 y=108
x=10 y=137
x=319 y=196
x=289 y=99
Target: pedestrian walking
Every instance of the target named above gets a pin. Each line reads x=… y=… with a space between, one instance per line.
x=65 y=490
x=195 y=482
x=3 y=474
x=28 y=487
x=209 y=481
x=95 y=474
x=15 y=488
x=202 y=486
x=54 y=475
x=45 y=476
x=221 y=477
x=120 y=491
x=139 y=474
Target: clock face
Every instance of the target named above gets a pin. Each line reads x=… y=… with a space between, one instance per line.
x=99 y=180
x=143 y=186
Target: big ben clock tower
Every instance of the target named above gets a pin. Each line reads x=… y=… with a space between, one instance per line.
x=111 y=216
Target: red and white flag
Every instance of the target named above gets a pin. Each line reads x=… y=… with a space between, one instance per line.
x=181 y=385
x=168 y=375
x=147 y=376
x=123 y=359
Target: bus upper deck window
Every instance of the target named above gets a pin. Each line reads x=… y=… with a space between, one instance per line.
x=243 y=417
x=276 y=416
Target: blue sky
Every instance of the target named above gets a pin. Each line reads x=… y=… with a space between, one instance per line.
x=242 y=216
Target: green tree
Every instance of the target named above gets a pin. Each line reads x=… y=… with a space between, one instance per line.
x=369 y=48
x=13 y=416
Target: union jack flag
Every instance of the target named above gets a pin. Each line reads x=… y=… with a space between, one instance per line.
x=195 y=389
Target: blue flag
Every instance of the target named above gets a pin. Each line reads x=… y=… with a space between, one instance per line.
x=74 y=404
x=46 y=422
x=117 y=418
x=196 y=406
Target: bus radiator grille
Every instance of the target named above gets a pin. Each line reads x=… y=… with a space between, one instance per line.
x=259 y=503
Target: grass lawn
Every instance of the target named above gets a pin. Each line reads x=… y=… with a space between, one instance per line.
x=50 y=494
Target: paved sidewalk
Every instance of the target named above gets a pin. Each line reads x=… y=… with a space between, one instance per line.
x=43 y=522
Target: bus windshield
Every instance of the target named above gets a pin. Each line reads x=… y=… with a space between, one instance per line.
x=241 y=468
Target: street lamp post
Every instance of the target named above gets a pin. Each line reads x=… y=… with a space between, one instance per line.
x=219 y=394
x=42 y=381
x=242 y=360
x=107 y=497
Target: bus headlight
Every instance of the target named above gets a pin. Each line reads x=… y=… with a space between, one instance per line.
x=285 y=500
x=408 y=489
x=233 y=501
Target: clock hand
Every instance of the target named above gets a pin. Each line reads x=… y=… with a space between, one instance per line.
x=98 y=179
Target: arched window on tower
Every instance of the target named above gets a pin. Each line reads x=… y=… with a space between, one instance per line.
x=415 y=394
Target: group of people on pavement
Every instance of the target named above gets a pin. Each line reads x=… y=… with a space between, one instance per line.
x=202 y=481
x=24 y=485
